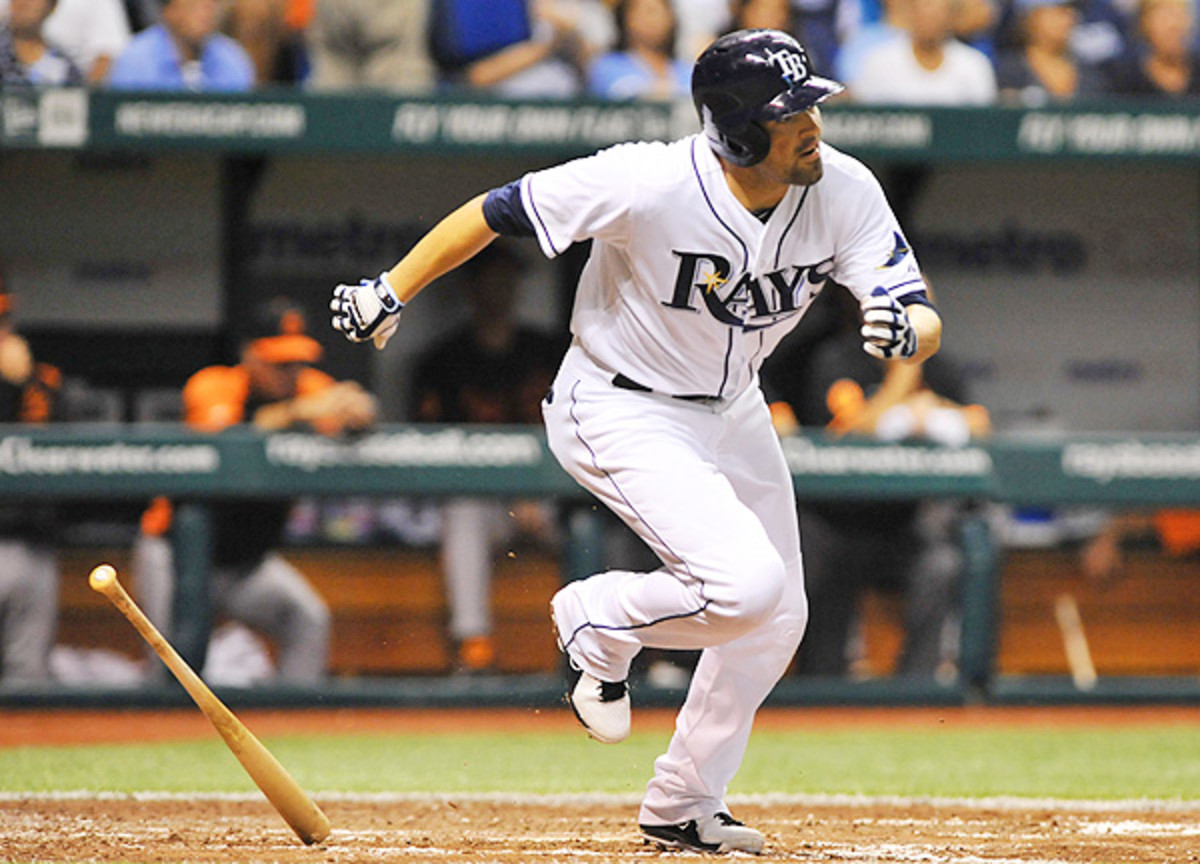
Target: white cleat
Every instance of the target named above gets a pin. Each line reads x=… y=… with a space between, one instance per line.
x=716 y=834
x=601 y=706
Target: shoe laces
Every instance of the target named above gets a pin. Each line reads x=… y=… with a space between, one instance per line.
x=727 y=820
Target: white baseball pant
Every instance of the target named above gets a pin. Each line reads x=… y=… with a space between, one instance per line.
x=706 y=486
x=28 y=610
x=273 y=598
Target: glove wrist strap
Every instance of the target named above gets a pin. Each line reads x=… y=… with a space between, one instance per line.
x=387 y=297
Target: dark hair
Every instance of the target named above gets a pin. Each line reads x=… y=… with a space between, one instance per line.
x=622 y=43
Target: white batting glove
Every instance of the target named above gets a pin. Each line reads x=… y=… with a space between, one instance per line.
x=887 y=333
x=368 y=310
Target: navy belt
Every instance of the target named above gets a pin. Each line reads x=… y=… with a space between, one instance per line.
x=624 y=382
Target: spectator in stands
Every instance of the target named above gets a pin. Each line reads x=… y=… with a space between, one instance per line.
x=273 y=34
x=92 y=33
x=700 y=22
x=1166 y=62
x=757 y=14
x=898 y=546
x=184 y=52
x=143 y=13
x=868 y=34
x=491 y=370
x=26 y=57
x=380 y=44
x=1043 y=68
x=814 y=22
x=1101 y=35
x=275 y=387
x=972 y=22
x=518 y=49
x=643 y=63
x=28 y=563
x=925 y=65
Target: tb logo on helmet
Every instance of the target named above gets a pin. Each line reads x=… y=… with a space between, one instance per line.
x=792 y=65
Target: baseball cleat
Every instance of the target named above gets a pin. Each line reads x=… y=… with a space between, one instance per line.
x=601 y=706
x=716 y=834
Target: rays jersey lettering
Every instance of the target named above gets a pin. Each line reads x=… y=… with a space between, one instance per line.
x=703 y=282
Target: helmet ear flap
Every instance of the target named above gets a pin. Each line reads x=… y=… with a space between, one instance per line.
x=744 y=146
x=757 y=142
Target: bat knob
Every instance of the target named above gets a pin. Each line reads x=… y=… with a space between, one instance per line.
x=102 y=578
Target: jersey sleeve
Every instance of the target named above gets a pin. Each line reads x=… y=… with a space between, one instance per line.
x=585 y=198
x=872 y=251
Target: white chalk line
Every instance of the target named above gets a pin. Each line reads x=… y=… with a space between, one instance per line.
x=995 y=802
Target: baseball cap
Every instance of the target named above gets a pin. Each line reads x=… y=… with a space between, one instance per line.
x=278 y=334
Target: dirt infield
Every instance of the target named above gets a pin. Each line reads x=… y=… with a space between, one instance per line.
x=244 y=829
x=531 y=832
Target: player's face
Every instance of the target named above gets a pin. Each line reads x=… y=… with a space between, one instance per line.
x=794 y=157
x=273 y=382
x=193 y=21
x=26 y=16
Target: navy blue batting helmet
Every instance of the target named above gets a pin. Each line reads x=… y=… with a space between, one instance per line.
x=748 y=77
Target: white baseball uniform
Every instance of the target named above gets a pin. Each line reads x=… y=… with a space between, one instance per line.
x=657 y=411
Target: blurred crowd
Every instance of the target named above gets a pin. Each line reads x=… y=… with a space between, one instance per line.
x=935 y=52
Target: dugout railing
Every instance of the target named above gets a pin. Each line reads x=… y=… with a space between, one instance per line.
x=112 y=464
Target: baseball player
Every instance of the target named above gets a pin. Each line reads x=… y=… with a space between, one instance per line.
x=706 y=251
x=29 y=576
x=275 y=387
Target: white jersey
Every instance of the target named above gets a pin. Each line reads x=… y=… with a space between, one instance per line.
x=686 y=291
x=891 y=74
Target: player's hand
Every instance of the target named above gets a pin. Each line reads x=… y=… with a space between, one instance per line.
x=887 y=333
x=16 y=361
x=368 y=310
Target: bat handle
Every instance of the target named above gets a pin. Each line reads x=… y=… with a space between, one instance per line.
x=103 y=579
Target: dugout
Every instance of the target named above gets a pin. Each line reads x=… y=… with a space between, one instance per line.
x=1065 y=244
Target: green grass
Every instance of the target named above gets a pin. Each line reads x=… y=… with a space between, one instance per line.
x=1160 y=762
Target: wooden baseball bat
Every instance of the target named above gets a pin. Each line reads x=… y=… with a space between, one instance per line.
x=1079 y=655
x=297 y=809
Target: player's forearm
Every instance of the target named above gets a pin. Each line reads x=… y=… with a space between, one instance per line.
x=274 y=417
x=928 y=326
x=457 y=238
